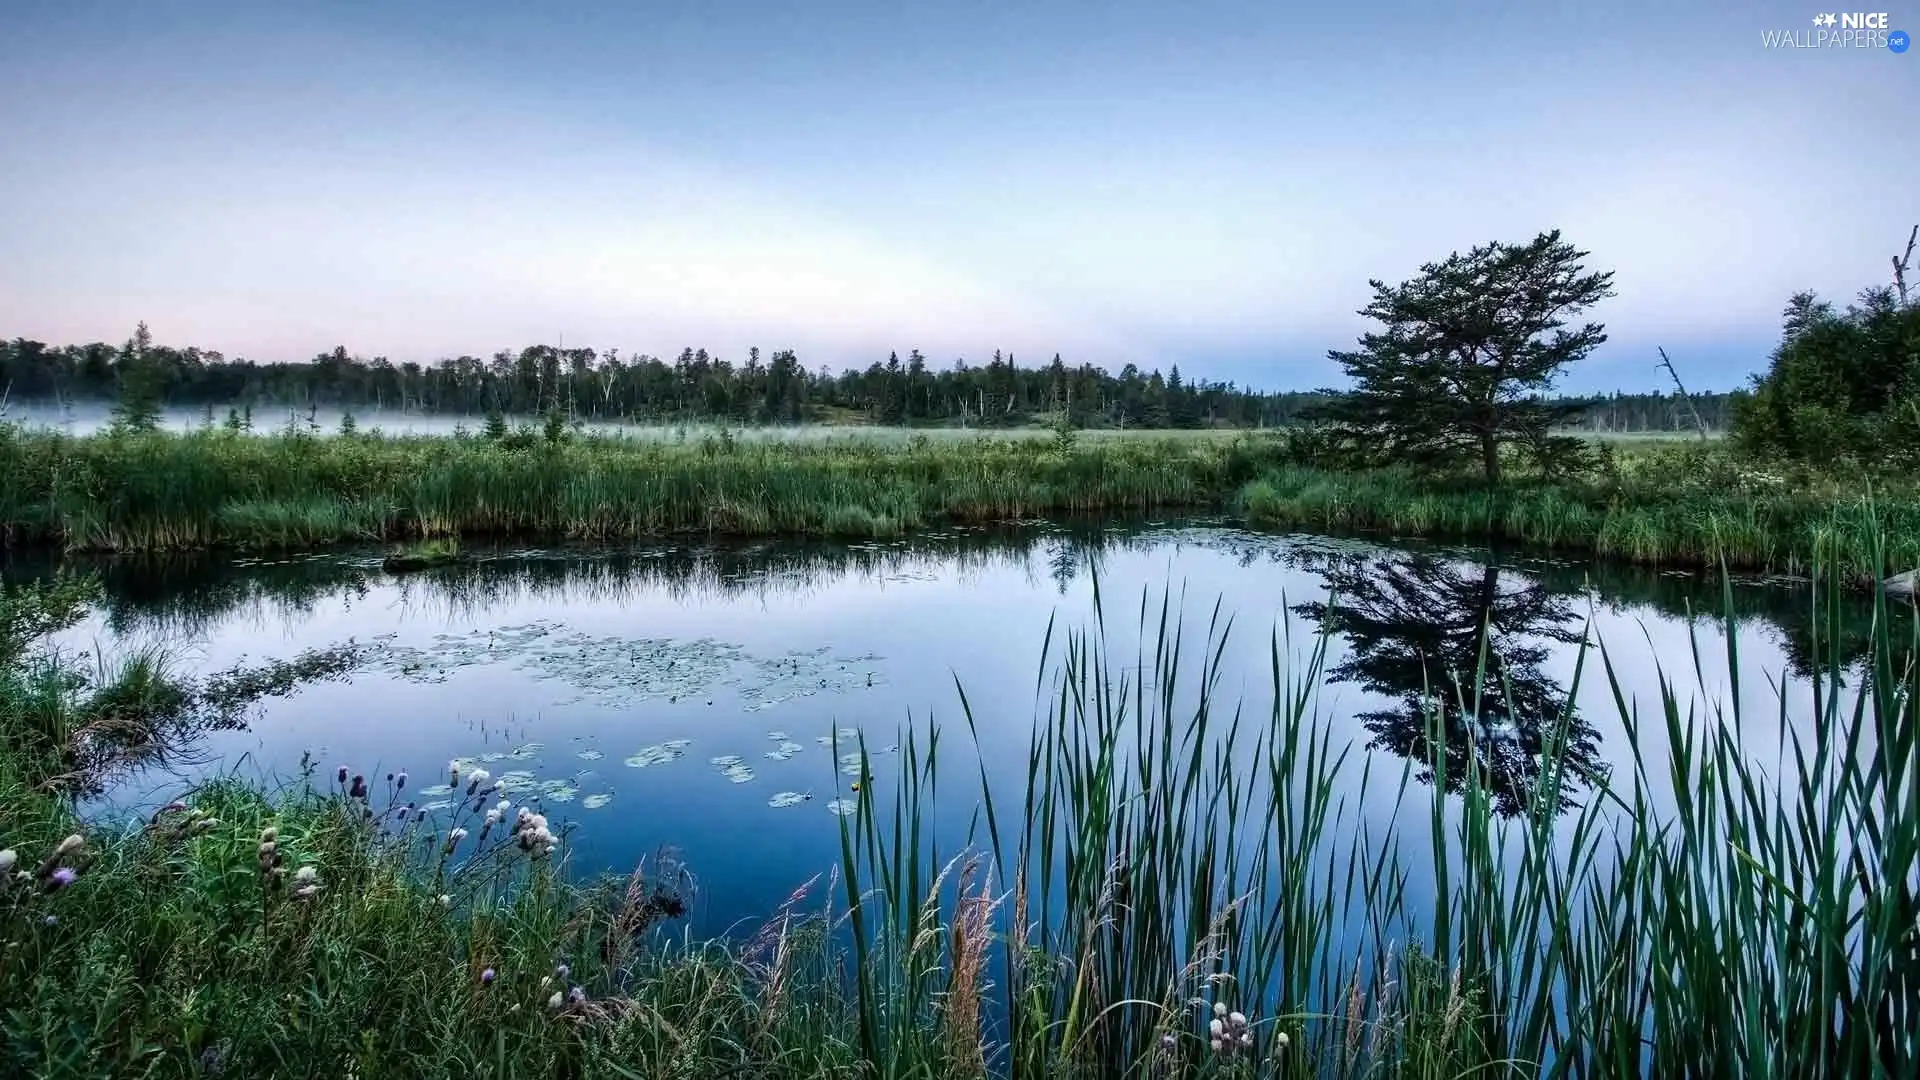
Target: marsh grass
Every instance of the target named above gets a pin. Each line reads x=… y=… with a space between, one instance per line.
x=166 y=492
x=1171 y=860
x=1665 y=504
x=1658 y=502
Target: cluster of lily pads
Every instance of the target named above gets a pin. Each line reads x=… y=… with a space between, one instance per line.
x=610 y=670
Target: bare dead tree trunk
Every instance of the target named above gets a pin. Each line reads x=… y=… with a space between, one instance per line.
x=1684 y=396
x=1902 y=264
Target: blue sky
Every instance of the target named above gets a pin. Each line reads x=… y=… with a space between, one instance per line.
x=1202 y=183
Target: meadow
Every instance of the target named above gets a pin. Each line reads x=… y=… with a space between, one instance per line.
x=1172 y=890
x=1657 y=502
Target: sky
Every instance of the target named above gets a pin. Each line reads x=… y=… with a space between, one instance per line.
x=1203 y=183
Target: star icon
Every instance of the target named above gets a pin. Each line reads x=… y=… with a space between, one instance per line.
x=1830 y=19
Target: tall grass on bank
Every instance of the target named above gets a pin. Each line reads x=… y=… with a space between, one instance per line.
x=1699 y=506
x=165 y=492
x=1178 y=886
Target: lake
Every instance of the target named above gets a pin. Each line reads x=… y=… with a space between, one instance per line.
x=701 y=699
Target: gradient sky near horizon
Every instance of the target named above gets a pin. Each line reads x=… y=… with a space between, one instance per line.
x=1204 y=183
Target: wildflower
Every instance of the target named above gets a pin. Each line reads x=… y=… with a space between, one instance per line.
x=446 y=901
x=454 y=837
x=453 y=770
x=546 y=981
x=561 y=972
x=1228 y=1031
x=306 y=875
x=269 y=834
x=400 y=781
x=341 y=776
x=52 y=920
x=555 y=1001
x=487 y=977
x=1168 y=1041
x=1281 y=1041
x=480 y=776
x=493 y=817
x=61 y=878
x=7 y=859
x=576 y=996
x=359 y=789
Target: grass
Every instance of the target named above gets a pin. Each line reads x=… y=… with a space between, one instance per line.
x=1658 y=503
x=1663 y=504
x=1169 y=859
x=169 y=492
x=423 y=555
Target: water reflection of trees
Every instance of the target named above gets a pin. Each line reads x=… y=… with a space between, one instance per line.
x=1418 y=628
x=186 y=595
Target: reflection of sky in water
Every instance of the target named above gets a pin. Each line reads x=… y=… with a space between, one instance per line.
x=763 y=654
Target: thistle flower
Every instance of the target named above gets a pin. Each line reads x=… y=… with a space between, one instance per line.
x=306 y=875
x=555 y=1001
x=453 y=770
x=479 y=776
x=1280 y=1041
x=493 y=817
x=576 y=996
x=7 y=859
x=546 y=981
x=359 y=789
x=455 y=836
x=446 y=900
x=487 y=977
x=61 y=878
x=561 y=972
x=400 y=781
x=269 y=834
x=341 y=775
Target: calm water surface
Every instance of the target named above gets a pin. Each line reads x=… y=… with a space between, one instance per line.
x=604 y=684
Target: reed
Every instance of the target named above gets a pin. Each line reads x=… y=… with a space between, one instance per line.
x=1175 y=869
x=165 y=492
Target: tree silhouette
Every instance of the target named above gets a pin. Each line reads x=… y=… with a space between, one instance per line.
x=1418 y=626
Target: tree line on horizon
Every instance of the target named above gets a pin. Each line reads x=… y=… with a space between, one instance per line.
x=588 y=384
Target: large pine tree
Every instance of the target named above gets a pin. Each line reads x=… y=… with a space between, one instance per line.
x=1466 y=353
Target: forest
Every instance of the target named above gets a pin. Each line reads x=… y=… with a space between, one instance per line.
x=588 y=384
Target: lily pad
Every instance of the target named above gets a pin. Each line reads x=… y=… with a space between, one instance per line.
x=559 y=790
x=659 y=754
x=492 y=756
x=595 y=802
x=440 y=805
x=437 y=789
x=843 y=807
x=739 y=774
x=778 y=736
x=590 y=755
x=787 y=798
x=527 y=752
x=725 y=760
